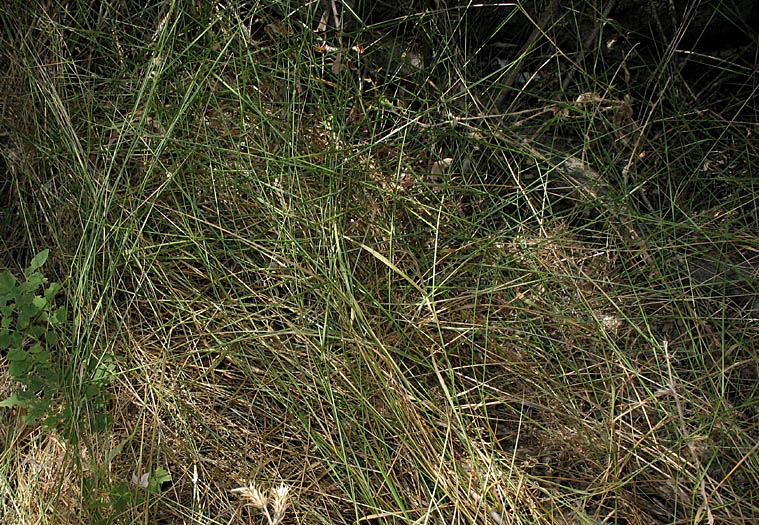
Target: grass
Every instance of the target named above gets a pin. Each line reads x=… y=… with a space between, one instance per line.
x=444 y=276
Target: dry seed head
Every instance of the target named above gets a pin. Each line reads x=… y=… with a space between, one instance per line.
x=279 y=505
x=254 y=495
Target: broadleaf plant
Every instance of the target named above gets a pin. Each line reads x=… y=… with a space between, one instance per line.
x=28 y=338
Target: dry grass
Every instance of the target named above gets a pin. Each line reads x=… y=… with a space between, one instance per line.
x=381 y=288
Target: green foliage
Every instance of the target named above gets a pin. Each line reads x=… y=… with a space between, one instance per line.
x=107 y=502
x=30 y=338
x=29 y=333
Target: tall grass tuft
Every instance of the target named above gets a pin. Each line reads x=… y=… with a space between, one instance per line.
x=404 y=263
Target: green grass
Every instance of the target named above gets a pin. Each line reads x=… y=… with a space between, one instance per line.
x=413 y=283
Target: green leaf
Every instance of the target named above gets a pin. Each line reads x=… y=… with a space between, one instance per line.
x=159 y=477
x=39 y=302
x=23 y=320
x=18 y=368
x=33 y=282
x=7 y=281
x=34 y=383
x=15 y=400
x=51 y=421
x=36 y=330
x=17 y=354
x=43 y=356
x=38 y=260
x=10 y=401
x=52 y=291
x=24 y=300
x=122 y=496
x=36 y=411
x=91 y=391
x=51 y=337
x=5 y=339
x=60 y=315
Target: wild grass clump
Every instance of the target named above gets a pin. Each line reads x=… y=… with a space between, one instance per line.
x=450 y=264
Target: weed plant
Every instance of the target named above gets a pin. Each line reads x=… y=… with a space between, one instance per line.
x=342 y=263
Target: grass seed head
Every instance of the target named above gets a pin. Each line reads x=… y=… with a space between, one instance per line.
x=279 y=505
x=254 y=495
